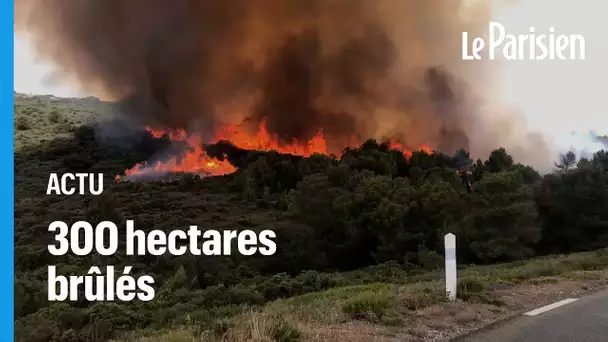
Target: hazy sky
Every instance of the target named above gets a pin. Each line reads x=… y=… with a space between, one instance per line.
x=556 y=97
x=559 y=97
x=35 y=76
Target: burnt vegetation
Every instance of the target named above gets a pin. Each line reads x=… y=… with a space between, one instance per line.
x=368 y=215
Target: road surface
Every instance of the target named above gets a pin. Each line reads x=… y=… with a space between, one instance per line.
x=574 y=320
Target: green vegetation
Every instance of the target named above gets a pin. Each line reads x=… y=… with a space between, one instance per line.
x=407 y=307
x=359 y=236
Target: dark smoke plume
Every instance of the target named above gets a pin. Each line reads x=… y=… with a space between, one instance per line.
x=366 y=68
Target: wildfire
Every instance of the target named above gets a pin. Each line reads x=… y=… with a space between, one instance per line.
x=408 y=153
x=262 y=140
x=196 y=159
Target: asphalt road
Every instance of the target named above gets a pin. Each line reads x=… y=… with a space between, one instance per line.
x=583 y=320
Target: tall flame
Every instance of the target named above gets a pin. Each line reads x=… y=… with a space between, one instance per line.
x=262 y=140
x=196 y=159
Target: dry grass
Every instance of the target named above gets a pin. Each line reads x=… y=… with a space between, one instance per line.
x=410 y=312
x=43 y=118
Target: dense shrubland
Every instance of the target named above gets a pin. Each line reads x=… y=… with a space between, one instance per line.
x=369 y=215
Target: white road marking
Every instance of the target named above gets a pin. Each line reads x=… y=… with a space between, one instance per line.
x=550 y=306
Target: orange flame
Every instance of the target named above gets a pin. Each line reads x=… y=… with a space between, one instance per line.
x=407 y=153
x=196 y=159
x=262 y=140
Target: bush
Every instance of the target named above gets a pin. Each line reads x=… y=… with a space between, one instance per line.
x=424 y=297
x=22 y=123
x=370 y=305
x=468 y=288
x=431 y=261
x=78 y=163
x=285 y=332
x=55 y=117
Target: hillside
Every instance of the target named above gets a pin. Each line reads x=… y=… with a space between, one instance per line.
x=356 y=234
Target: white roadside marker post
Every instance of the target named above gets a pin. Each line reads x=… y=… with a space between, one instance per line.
x=450 y=265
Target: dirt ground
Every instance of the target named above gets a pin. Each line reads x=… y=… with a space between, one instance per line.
x=446 y=321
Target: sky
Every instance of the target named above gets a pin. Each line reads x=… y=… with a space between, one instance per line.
x=566 y=95
x=564 y=100
x=34 y=76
